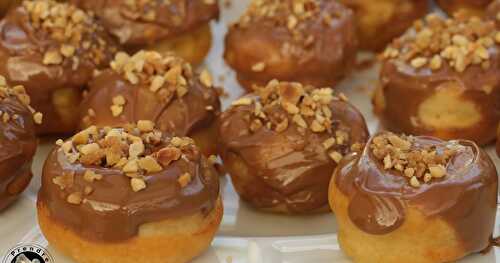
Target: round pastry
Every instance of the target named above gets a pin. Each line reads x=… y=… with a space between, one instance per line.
x=17 y=141
x=414 y=199
x=128 y=195
x=161 y=88
x=309 y=41
x=443 y=80
x=379 y=22
x=467 y=7
x=281 y=144
x=52 y=49
x=179 y=26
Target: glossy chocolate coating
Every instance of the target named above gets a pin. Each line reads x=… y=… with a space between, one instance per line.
x=171 y=20
x=287 y=168
x=17 y=146
x=22 y=51
x=404 y=88
x=465 y=197
x=179 y=116
x=322 y=63
x=113 y=212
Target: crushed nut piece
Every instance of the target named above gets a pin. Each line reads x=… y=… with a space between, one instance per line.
x=137 y=184
x=184 y=179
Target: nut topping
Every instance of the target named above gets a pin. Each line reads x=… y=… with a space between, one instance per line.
x=137 y=151
x=420 y=164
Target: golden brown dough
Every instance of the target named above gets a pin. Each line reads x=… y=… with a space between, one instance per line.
x=307 y=41
x=414 y=199
x=281 y=144
x=180 y=26
x=466 y=7
x=158 y=87
x=52 y=60
x=379 y=22
x=129 y=194
x=443 y=81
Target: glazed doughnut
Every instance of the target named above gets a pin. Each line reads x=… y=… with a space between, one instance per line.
x=18 y=142
x=152 y=86
x=467 y=7
x=129 y=195
x=414 y=199
x=281 y=144
x=52 y=60
x=379 y=22
x=307 y=41
x=182 y=27
x=446 y=86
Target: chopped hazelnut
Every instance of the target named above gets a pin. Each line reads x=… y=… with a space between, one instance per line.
x=184 y=179
x=75 y=198
x=145 y=125
x=149 y=164
x=137 y=184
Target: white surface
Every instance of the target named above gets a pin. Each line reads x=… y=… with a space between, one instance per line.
x=245 y=235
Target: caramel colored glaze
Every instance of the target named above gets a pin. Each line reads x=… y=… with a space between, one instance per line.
x=326 y=61
x=498 y=140
x=21 y=55
x=286 y=168
x=379 y=22
x=171 y=20
x=465 y=198
x=404 y=88
x=17 y=146
x=5 y=5
x=113 y=212
x=181 y=117
x=471 y=7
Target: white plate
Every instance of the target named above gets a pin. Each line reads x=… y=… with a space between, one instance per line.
x=245 y=235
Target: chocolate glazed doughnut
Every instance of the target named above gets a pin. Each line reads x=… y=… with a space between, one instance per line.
x=17 y=142
x=181 y=26
x=448 y=86
x=310 y=41
x=129 y=194
x=165 y=90
x=379 y=22
x=392 y=199
x=53 y=61
x=281 y=145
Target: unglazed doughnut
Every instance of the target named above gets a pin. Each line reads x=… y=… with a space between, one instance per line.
x=17 y=141
x=158 y=87
x=129 y=195
x=307 y=41
x=52 y=60
x=467 y=7
x=281 y=144
x=414 y=199
x=181 y=26
x=443 y=81
x=379 y=22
